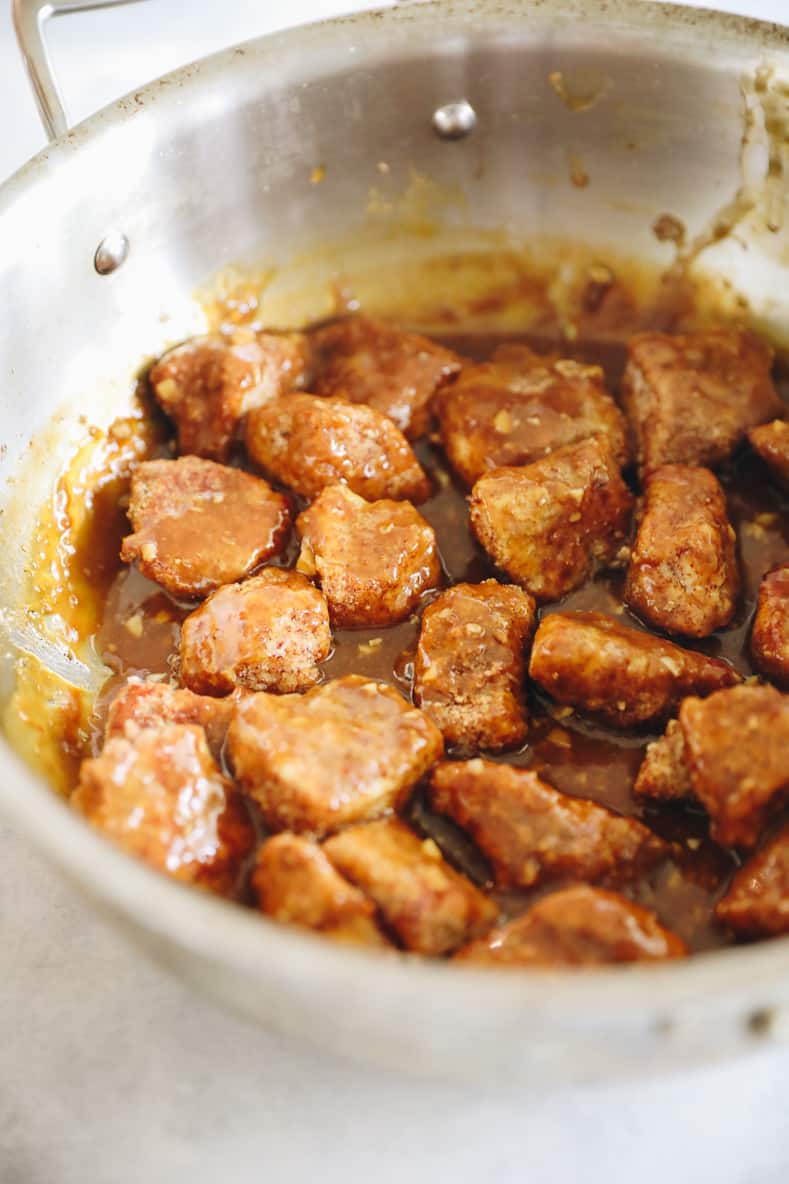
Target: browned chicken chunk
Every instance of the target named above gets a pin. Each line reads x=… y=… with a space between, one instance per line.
x=691 y=398
x=519 y=406
x=209 y=384
x=307 y=443
x=295 y=883
x=532 y=834
x=395 y=372
x=757 y=902
x=683 y=575
x=578 y=926
x=770 y=636
x=664 y=772
x=551 y=524
x=469 y=668
x=430 y=906
x=267 y=634
x=625 y=677
x=737 y=748
x=198 y=525
x=348 y=750
x=162 y=796
x=374 y=560
x=139 y=704
x=771 y=441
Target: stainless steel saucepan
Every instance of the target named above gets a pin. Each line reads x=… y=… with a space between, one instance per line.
x=434 y=129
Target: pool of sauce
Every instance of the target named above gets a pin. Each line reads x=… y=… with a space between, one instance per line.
x=139 y=633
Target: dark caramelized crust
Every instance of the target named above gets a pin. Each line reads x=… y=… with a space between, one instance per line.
x=140 y=704
x=307 y=443
x=374 y=560
x=770 y=636
x=198 y=525
x=430 y=906
x=691 y=398
x=578 y=926
x=209 y=384
x=664 y=772
x=737 y=748
x=294 y=883
x=345 y=751
x=395 y=372
x=469 y=668
x=267 y=634
x=162 y=797
x=771 y=441
x=552 y=524
x=757 y=902
x=532 y=834
x=519 y=407
x=683 y=574
x=622 y=676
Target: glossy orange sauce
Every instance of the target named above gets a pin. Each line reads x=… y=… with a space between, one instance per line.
x=139 y=631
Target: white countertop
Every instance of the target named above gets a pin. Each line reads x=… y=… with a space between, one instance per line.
x=111 y=1072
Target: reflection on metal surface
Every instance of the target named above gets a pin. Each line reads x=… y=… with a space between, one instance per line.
x=455 y=120
x=111 y=252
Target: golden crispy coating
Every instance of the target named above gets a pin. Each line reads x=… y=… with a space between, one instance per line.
x=374 y=560
x=625 y=677
x=198 y=525
x=770 y=635
x=307 y=443
x=294 y=883
x=345 y=751
x=691 y=397
x=395 y=372
x=519 y=406
x=267 y=634
x=737 y=749
x=771 y=441
x=469 y=668
x=683 y=575
x=140 y=704
x=664 y=772
x=430 y=906
x=162 y=797
x=578 y=926
x=757 y=902
x=208 y=385
x=532 y=834
x=552 y=524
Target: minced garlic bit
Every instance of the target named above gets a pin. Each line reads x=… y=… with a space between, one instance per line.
x=134 y=625
x=431 y=849
x=306 y=560
x=369 y=647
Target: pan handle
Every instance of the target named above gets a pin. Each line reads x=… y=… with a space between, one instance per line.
x=30 y=18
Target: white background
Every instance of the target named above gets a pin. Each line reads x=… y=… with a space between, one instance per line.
x=113 y=1073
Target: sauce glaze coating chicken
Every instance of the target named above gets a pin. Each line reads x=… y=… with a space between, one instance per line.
x=458 y=730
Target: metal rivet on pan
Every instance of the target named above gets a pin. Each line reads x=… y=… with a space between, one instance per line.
x=455 y=120
x=111 y=252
